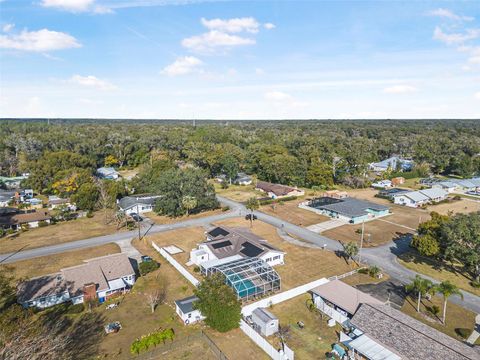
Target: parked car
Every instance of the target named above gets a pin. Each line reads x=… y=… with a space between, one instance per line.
x=146 y=258
x=113 y=327
x=136 y=217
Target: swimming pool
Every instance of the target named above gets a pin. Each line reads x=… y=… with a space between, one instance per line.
x=243 y=287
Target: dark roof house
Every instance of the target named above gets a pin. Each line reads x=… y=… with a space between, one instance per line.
x=407 y=337
x=277 y=189
x=186 y=304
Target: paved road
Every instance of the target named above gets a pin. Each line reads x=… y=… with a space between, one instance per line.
x=383 y=256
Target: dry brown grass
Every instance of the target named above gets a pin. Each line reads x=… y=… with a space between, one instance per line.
x=302 y=264
x=158 y=219
x=63 y=232
x=239 y=193
x=53 y=263
x=377 y=232
x=236 y=345
x=457 y=316
x=456 y=206
x=289 y=211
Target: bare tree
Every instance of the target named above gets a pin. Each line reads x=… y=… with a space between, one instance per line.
x=283 y=334
x=155 y=297
x=105 y=201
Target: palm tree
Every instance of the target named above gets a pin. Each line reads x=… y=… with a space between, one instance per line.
x=189 y=203
x=421 y=287
x=447 y=289
x=350 y=249
x=252 y=205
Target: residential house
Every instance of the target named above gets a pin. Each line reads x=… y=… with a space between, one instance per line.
x=421 y=197
x=335 y=194
x=448 y=186
x=391 y=193
x=13 y=182
x=382 y=184
x=277 y=191
x=6 y=197
x=108 y=173
x=399 y=180
x=137 y=203
x=97 y=279
x=184 y=309
x=264 y=322
x=339 y=300
x=227 y=244
x=15 y=219
x=55 y=202
x=349 y=209
x=381 y=332
x=243 y=179
x=393 y=163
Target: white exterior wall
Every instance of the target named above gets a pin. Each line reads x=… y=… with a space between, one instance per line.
x=45 y=302
x=191 y=317
x=269 y=258
x=264 y=344
x=403 y=200
x=129 y=279
x=200 y=255
x=77 y=300
x=143 y=208
x=328 y=310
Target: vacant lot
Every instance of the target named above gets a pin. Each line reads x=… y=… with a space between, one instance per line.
x=315 y=339
x=437 y=270
x=456 y=206
x=302 y=264
x=158 y=219
x=239 y=193
x=457 y=317
x=50 y=264
x=289 y=211
x=63 y=232
x=377 y=232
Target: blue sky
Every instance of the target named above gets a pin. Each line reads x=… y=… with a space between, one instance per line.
x=239 y=59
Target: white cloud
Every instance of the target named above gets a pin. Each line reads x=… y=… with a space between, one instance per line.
x=477 y=95
x=455 y=38
x=182 y=66
x=269 y=26
x=77 y=6
x=92 y=82
x=445 y=13
x=235 y=25
x=400 y=89
x=8 y=27
x=214 y=39
x=259 y=71
x=41 y=40
x=277 y=96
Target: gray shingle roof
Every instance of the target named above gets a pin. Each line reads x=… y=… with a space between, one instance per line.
x=129 y=201
x=264 y=315
x=186 y=305
x=409 y=337
x=348 y=206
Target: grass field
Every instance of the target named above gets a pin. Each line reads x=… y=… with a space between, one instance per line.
x=437 y=270
x=302 y=264
x=289 y=211
x=53 y=263
x=239 y=193
x=158 y=219
x=311 y=342
x=63 y=232
x=457 y=317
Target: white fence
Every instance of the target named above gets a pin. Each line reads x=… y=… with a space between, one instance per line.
x=264 y=344
x=176 y=265
x=283 y=296
x=338 y=277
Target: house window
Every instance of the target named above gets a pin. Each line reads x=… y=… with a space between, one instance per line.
x=189 y=315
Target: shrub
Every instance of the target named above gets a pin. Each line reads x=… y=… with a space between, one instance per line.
x=225 y=208
x=434 y=309
x=462 y=332
x=475 y=284
x=196 y=269
x=152 y=339
x=373 y=271
x=147 y=267
x=89 y=214
x=42 y=223
x=363 y=271
x=280 y=201
x=10 y=231
x=2 y=232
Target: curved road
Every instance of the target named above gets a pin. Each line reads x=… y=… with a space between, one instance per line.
x=384 y=256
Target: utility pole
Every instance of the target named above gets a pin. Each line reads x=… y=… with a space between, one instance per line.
x=361 y=243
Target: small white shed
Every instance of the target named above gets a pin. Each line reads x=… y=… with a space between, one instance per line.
x=264 y=321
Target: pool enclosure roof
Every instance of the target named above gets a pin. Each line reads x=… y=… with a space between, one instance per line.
x=249 y=277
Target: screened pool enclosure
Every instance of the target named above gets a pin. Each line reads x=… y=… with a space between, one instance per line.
x=249 y=277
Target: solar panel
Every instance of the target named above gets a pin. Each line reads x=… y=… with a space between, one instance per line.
x=250 y=250
x=218 y=231
x=221 y=244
